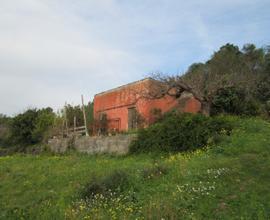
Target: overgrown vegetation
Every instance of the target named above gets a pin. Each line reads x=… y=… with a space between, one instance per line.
x=230 y=180
x=245 y=72
x=233 y=100
x=235 y=81
x=177 y=132
x=31 y=126
x=155 y=171
x=76 y=111
x=116 y=182
x=35 y=126
x=4 y=129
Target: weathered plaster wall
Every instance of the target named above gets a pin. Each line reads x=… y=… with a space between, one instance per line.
x=187 y=103
x=117 y=144
x=115 y=103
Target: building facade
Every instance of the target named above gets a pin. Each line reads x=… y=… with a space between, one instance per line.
x=132 y=105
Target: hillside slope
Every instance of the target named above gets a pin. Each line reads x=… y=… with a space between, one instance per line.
x=228 y=181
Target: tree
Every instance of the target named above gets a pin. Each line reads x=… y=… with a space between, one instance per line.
x=43 y=124
x=246 y=69
x=76 y=111
x=89 y=110
x=22 y=127
x=31 y=126
x=233 y=101
x=175 y=86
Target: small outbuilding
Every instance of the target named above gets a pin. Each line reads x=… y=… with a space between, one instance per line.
x=134 y=105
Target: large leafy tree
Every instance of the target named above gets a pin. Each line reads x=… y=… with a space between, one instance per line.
x=30 y=126
x=247 y=70
x=22 y=127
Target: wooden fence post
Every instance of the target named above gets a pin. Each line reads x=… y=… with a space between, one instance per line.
x=84 y=117
x=66 y=121
x=74 y=123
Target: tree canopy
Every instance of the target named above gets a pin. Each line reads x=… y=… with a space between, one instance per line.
x=246 y=70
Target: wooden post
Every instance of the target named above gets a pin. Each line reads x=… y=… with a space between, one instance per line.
x=66 y=121
x=63 y=128
x=84 y=117
x=74 y=129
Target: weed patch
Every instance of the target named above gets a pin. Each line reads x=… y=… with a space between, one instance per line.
x=116 y=182
x=154 y=172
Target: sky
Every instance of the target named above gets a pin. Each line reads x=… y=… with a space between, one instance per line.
x=52 y=51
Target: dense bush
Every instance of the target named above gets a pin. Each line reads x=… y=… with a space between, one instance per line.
x=236 y=80
x=4 y=129
x=179 y=132
x=267 y=107
x=31 y=126
x=116 y=182
x=234 y=100
x=22 y=127
x=43 y=124
x=34 y=126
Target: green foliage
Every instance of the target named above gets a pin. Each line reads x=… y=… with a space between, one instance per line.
x=76 y=111
x=267 y=107
x=246 y=70
x=155 y=171
x=233 y=100
x=4 y=129
x=116 y=182
x=89 y=111
x=155 y=114
x=31 y=126
x=22 y=127
x=43 y=124
x=178 y=132
x=36 y=125
x=263 y=89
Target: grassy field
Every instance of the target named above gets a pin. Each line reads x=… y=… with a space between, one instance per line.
x=227 y=181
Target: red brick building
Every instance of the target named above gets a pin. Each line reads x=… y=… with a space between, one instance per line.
x=128 y=106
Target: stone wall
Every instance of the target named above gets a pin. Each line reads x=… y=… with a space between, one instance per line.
x=59 y=145
x=117 y=144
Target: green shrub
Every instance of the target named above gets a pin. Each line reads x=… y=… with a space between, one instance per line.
x=4 y=130
x=31 y=127
x=22 y=127
x=43 y=123
x=234 y=100
x=267 y=107
x=116 y=182
x=179 y=132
